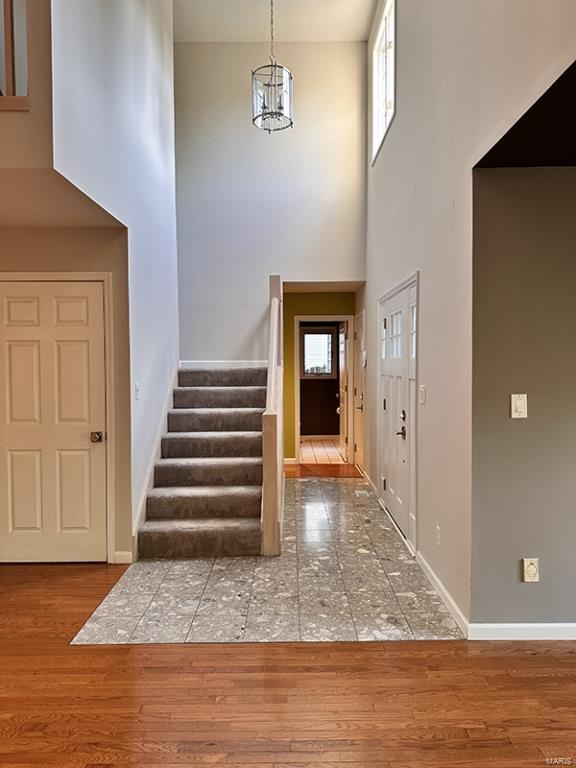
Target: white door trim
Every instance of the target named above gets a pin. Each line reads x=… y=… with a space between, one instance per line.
x=349 y=405
x=360 y=348
x=412 y=280
x=106 y=279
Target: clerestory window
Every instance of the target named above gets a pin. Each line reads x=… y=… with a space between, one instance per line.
x=383 y=75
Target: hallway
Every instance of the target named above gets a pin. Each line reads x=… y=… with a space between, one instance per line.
x=344 y=575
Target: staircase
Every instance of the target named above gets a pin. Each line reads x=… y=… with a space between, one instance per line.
x=207 y=495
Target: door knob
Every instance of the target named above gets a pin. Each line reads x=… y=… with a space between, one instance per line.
x=96 y=437
x=359 y=407
x=402 y=432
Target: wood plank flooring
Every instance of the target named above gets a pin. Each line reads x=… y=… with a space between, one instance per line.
x=321 y=470
x=378 y=705
x=320 y=451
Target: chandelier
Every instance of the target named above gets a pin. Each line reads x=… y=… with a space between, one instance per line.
x=272 y=91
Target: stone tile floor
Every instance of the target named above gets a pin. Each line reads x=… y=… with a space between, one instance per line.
x=344 y=574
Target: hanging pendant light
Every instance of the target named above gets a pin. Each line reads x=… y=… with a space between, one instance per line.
x=272 y=91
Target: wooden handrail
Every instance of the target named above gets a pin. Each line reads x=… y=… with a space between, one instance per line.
x=273 y=345
x=272 y=432
x=9 y=101
x=9 y=53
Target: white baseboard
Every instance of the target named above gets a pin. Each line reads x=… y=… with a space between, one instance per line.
x=369 y=479
x=436 y=582
x=523 y=631
x=122 y=558
x=393 y=522
x=196 y=365
x=162 y=427
x=447 y=598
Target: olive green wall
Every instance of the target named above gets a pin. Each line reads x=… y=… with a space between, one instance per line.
x=304 y=304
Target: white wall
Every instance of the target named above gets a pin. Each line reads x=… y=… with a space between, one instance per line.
x=114 y=139
x=466 y=70
x=250 y=204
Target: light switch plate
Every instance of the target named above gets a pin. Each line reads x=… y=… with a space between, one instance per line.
x=423 y=394
x=519 y=406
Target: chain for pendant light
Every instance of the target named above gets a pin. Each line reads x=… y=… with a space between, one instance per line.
x=272 y=90
x=272 y=36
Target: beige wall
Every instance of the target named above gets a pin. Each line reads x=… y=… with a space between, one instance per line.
x=250 y=204
x=114 y=140
x=81 y=249
x=304 y=304
x=465 y=72
x=524 y=483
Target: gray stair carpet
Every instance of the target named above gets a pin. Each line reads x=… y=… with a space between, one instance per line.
x=207 y=490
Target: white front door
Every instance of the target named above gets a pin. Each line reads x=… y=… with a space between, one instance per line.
x=52 y=460
x=398 y=391
x=343 y=388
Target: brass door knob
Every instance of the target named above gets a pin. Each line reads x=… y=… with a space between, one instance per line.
x=96 y=437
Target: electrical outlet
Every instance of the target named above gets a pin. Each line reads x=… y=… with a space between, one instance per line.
x=530 y=569
x=438 y=536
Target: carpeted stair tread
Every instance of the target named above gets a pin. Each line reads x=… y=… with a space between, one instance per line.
x=211 y=471
x=220 y=397
x=228 y=537
x=223 y=377
x=215 y=419
x=211 y=444
x=198 y=502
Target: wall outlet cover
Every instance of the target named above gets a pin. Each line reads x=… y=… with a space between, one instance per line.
x=530 y=569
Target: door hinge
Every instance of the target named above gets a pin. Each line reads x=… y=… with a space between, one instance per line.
x=355 y=391
x=355 y=447
x=385 y=324
x=384 y=404
x=346 y=440
x=355 y=336
x=383 y=484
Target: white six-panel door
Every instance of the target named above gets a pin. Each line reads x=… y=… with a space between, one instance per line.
x=52 y=474
x=398 y=408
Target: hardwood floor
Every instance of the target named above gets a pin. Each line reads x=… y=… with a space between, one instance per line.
x=321 y=470
x=396 y=705
x=318 y=451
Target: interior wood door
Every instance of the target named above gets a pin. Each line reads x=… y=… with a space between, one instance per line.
x=359 y=372
x=52 y=474
x=343 y=389
x=396 y=430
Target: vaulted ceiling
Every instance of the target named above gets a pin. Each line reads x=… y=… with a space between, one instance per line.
x=296 y=20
